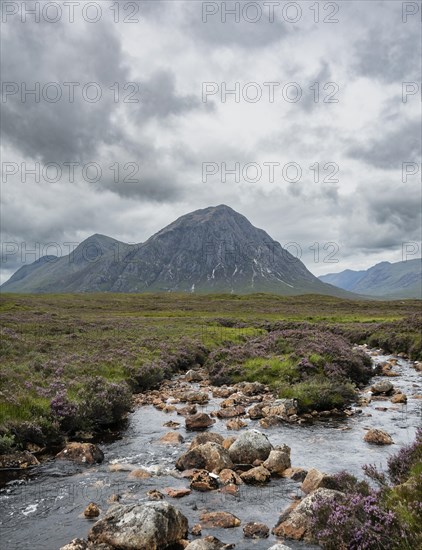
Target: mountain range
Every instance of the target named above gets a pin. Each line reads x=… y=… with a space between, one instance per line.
x=387 y=280
x=213 y=250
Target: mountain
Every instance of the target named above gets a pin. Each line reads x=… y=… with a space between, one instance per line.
x=207 y=251
x=397 y=280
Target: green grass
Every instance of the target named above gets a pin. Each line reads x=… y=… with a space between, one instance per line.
x=72 y=338
x=273 y=371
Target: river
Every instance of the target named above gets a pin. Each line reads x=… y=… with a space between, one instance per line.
x=42 y=509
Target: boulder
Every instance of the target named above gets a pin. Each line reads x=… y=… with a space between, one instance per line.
x=281 y=407
x=76 y=544
x=250 y=446
x=223 y=520
x=235 y=424
x=206 y=437
x=139 y=473
x=295 y=523
x=82 y=453
x=255 y=412
x=255 y=530
x=228 y=442
x=177 y=493
x=297 y=473
x=278 y=460
x=171 y=438
x=198 y=421
x=228 y=477
x=149 y=526
x=203 y=481
x=315 y=480
x=209 y=456
x=399 y=398
x=382 y=387
x=208 y=543
x=378 y=437
x=193 y=376
x=256 y=476
x=195 y=397
x=189 y=410
x=231 y=412
x=154 y=494
x=279 y=547
x=252 y=388
x=20 y=460
x=92 y=510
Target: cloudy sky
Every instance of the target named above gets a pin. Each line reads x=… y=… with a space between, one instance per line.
x=130 y=124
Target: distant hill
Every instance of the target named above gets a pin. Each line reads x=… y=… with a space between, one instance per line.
x=211 y=250
x=397 y=280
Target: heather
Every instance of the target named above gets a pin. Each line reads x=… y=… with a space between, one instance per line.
x=70 y=363
x=364 y=517
x=317 y=367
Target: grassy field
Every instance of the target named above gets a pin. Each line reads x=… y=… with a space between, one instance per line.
x=69 y=363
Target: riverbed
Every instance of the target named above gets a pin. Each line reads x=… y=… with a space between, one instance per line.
x=42 y=509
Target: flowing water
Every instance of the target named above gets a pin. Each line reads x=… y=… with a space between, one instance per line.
x=43 y=509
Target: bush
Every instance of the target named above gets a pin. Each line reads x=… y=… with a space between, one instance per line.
x=6 y=443
x=103 y=404
x=320 y=394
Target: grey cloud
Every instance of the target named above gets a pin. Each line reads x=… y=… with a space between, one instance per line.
x=244 y=34
x=61 y=131
x=159 y=98
x=390 y=53
x=390 y=150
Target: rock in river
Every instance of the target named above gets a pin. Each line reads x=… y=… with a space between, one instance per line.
x=378 y=437
x=210 y=456
x=82 y=453
x=198 y=421
x=278 y=460
x=223 y=520
x=149 y=526
x=384 y=386
x=250 y=446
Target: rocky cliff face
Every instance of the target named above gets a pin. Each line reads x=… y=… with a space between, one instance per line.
x=211 y=250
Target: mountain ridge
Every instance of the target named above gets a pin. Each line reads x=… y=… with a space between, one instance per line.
x=211 y=250
x=384 y=279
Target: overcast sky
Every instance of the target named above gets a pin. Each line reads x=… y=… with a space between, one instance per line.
x=150 y=62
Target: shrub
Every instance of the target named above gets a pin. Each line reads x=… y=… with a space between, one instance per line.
x=321 y=394
x=103 y=403
x=6 y=443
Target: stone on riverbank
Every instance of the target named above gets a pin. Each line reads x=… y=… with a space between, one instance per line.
x=295 y=522
x=22 y=461
x=315 y=480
